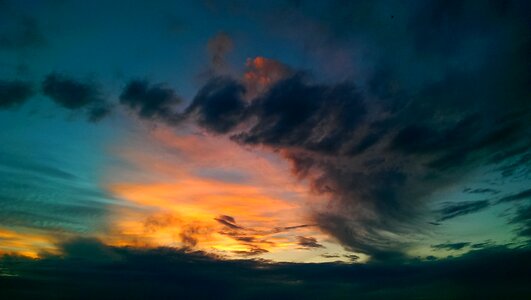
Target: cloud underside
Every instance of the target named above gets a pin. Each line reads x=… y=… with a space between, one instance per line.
x=88 y=269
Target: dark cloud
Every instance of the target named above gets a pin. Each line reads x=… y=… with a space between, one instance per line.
x=68 y=92
x=83 y=248
x=451 y=210
x=481 y=191
x=426 y=108
x=280 y=229
x=518 y=167
x=219 y=105
x=151 y=101
x=254 y=239
x=430 y=107
x=525 y=194
x=14 y=93
x=228 y=221
x=482 y=245
x=155 y=222
x=293 y=112
x=308 y=242
x=326 y=255
x=76 y=96
x=522 y=219
x=377 y=166
x=352 y=257
x=87 y=269
x=190 y=234
x=253 y=251
x=451 y=246
x=297 y=113
x=99 y=112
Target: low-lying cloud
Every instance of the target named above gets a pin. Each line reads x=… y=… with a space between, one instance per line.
x=87 y=269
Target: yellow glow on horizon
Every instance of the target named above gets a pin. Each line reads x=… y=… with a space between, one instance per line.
x=179 y=205
x=26 y=244
x=188 y=209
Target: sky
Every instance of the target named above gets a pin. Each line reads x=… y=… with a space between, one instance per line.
x=337 y=145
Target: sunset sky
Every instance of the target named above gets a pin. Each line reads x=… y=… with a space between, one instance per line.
x=284 y=133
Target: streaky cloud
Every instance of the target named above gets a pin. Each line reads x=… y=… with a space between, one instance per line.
x=451 y=246
x=523 y=195
x=452 y=210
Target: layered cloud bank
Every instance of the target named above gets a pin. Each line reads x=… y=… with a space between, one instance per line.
x=89 y=269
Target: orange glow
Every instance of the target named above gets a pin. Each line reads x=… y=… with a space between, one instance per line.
x=181 y=206
x=261 y=73
x=185 y=214
x=196 y=191
x=25 y=244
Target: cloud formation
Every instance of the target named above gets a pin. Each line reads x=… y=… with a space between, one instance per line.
x=451 y=246
x=218 y=105
x=76 y=95
x=452 y=210
x=308 y=242
x=523 y=195
x=14 y=93
x=151 y=101
x=522 y=218
x=88 y=269
x=379 y=149
x=426 y=108
x=376 y=165
x=262 y=72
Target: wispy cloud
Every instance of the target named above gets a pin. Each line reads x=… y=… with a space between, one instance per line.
x=452 y=210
